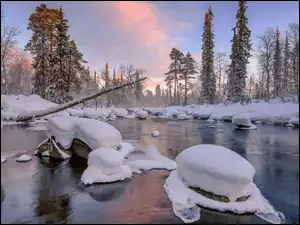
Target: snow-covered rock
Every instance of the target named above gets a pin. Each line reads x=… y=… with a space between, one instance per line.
x=3 y=159
x=170 y=111
x=105 y=165
x=182 y=116
x=206 y=166
x=141 y=114
x=91 y=113
x=120 y=112
x=258 y=122
x=241 y=120
x=155 y=133
x=294 y=121
x=222 y=172
x=94 y=133
x=130 y=116
x=24 y=158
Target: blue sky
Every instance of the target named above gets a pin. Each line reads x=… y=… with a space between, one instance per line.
x=143 y=33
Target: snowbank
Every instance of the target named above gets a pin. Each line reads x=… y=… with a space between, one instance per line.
x=75 y=112
x=206 y=167
x=294 y=121
x=15 y=105
x=94 y=133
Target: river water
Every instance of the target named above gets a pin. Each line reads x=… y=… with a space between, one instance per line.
x=43 y=191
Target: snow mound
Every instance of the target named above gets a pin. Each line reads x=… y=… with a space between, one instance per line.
x=212 y=126
x=90 y=113
x=126 y=148
x=170 y=111
x=258 y=122
x=207 y=167
x=105 y=165
x=155 y=133
x=94 y=133
x=120 y=112
x=3 y=159
x=24 y=158
x=141 y=114
x=185 y=202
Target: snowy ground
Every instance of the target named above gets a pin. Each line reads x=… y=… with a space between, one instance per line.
x=274 y=112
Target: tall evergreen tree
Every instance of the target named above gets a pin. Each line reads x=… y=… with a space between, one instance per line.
x=58 y=79
x=188 y=72
x=207 y=76
x=277 y=65
x=286 y=65
x=175 y=69
x=240 y=54
x=40 y=22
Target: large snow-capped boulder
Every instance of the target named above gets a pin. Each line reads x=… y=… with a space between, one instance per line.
x=92 y=132
x=141 y=114
x=216 y=169
x=170 y=111
x=182 y=116
x=105 y=165
x=207 y=173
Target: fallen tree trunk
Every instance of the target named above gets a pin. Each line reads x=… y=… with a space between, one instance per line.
x=74 y=102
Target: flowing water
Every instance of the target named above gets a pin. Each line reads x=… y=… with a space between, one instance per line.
x=43 y=191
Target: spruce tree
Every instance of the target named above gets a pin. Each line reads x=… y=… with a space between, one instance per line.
x=58 y=79
x=175 y=69
x=240 y=55
x=207 y=76
x=188 y=72
x=277 y=65
x=286 y=66
x=40 y=22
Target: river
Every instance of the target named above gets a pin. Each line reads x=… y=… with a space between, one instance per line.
x=43 y=191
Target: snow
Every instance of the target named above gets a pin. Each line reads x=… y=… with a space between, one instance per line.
x=147 y=157
x=130 y=116
x=182 y=116
x=94 y=133
x=37 y=127
x=258 y=122
x=294 y=121
x=24 y=158
x=75 y=112
x=120 y=112
x=212 y=126
x=126 y=148
x=241 y=119
x=90 y=113
x=141 y=114
x=207 y=166
x=185 y=202
x=155 y=133
x=46 y=153
x=252 y=127
x=3 y=159
x=105 y=165
x=15 y=105
x=170 y=111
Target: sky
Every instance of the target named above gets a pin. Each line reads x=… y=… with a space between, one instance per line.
x=143 y=33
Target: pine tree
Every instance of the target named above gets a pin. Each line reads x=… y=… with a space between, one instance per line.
x=240 y=55
x=277 y=65
x=286 y=66
x=188 y=72
x=106 y=77
x=207 y=77
x=175 y=69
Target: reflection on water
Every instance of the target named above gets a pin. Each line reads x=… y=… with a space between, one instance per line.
x=47 y=191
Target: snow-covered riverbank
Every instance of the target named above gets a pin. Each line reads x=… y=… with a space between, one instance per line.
x=272 y=112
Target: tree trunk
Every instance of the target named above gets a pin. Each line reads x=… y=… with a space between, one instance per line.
x=73 y=103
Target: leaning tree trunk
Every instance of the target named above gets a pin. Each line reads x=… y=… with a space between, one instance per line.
x=73 y=103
